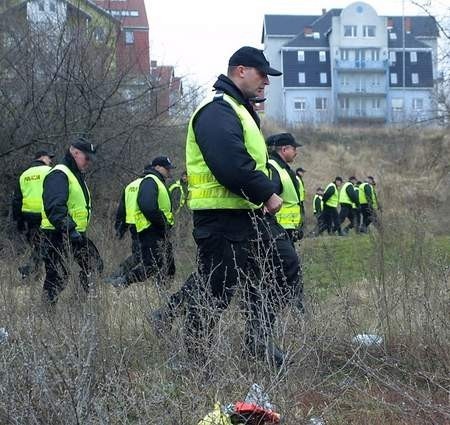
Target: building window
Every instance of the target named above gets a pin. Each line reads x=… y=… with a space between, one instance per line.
x=322 y=56
x=369 y=30
x=350 y=31
x=393 y=36
x=344 y=103
x=392 y=57
x=376 y=80
x=41 y=6
x=375 y=54
x=52 y=6
x=345 y=53
x=415 y=78
x=397 y=104
x=413 y=57
x=417 y=104
x=301 y=78
x=394 y=78
x=129 y=37
x=345 y=81
x=134 y=13
x=376 y=103
x=321 y=103
x=300 y=104
x=323 y=78
x=99 y=34
x=301 y=56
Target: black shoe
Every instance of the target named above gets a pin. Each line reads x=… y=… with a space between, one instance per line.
x=24 y=271
x=267 y=353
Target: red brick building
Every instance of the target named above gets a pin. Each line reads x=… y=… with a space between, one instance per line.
x=133 y=49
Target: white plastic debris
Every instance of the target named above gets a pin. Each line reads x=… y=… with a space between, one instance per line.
x=316 y=420
x=3 y=336
x=257 y=396
x=368 y=340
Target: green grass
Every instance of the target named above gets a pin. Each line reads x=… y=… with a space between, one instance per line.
x=332 y=262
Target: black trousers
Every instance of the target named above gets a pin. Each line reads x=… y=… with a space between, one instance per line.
x=330 y=220
x=135 y=258
x=156 y=253
x=367 y=215
x=58 y=252
x=266 y=265
x=33 y=236
x=347 y=212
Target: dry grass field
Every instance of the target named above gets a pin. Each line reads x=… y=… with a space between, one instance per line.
x=97 y=361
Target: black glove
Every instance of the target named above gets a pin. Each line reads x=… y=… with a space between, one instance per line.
x=75 y=237
x=21 y=226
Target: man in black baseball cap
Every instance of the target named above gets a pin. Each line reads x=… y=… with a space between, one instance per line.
x=44 y=156
x=65 y=219
x=252 y=57
x=148 y=200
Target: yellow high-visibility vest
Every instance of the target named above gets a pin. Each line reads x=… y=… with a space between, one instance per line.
x=31 y=183
x=131 y=193
x=164 y=204
x=334 y=200
x=78 y=209
x=343 y=196
x=205 y=192
x=289 y=216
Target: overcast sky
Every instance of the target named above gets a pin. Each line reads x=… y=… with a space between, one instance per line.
x=198 y=36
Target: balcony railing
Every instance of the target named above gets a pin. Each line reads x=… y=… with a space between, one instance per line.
x=364 y=90
x=361 y=65
x=362 y=114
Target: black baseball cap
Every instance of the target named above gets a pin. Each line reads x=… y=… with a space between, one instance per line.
x=84 y=145
x=250 y=56
x=163 y=161
x=282 y=139
x=40 y=153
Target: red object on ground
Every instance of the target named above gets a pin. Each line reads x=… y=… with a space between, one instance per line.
x=258 y=413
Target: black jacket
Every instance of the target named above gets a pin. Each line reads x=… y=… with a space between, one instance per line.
x=147 y=200
x=219 y=135
x=17 y=199
x=56 y=194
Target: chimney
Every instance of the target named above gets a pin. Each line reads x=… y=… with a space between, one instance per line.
x=324 y=11
x=308 y=31
x=408 y=25
x=390 y=23
x=153 y=64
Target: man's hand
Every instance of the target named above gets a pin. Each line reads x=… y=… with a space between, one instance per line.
x=273 y=204
x=75 y=237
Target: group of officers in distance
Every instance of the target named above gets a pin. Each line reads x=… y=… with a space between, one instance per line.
x=246 y=203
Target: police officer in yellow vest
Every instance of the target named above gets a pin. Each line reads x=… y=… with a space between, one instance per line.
x=348 y=200
x=330 y=213
x=179 y=192
x=27 y=206
x=282 y=152
x=318 y=209
x=229 y=188
x=148 y=200
x=369 y=203
x=65 y=219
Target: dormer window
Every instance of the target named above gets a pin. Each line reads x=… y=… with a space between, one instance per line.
x=350 y=30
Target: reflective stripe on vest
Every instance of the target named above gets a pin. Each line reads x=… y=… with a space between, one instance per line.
x=289 y=215
x=334 y=200
x=131 y=193
x=314 y=203
x=362 y=194
x=343 y=195
x=164 y=204
x=182 y=200
x=301 y=189
x=77 y=207
x=31 y=182
x=205 y=192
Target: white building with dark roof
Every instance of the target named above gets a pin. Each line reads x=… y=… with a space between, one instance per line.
x=350 y=65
